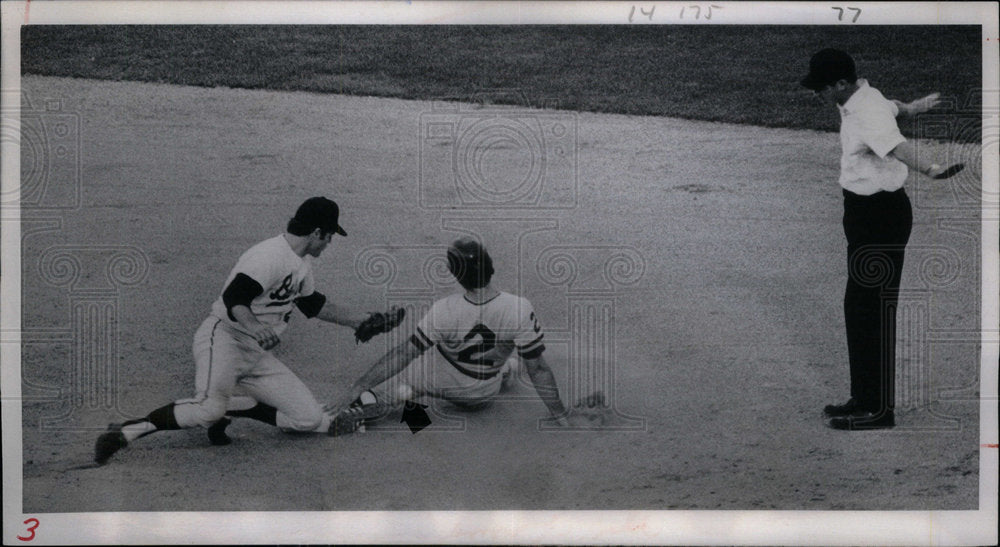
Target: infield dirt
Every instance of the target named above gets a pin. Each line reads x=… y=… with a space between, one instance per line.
x=725 y=335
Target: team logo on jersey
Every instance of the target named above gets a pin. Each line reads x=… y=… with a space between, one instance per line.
x=283 y=292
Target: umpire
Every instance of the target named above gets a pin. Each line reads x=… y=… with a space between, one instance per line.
x=874 y=164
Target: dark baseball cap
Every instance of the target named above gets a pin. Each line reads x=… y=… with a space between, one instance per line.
x=469 y=262
x=828 y=67
x=319 y=212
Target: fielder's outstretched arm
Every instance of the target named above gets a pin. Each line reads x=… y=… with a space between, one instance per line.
x=391 y=364
x=318 y=306
x=341 y=315
x=545 y=384
x=365 y=325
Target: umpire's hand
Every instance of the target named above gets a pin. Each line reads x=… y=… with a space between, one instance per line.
x=923 y=104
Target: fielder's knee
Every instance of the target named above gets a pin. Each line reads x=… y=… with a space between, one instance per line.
x=301 y=421
x=204 y=413
x=390 y=393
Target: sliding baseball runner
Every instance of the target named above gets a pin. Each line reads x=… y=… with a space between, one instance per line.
x=458 y=353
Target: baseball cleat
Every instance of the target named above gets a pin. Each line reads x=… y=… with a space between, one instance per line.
x=347 y=422
x=108 y=443
x=217 y=432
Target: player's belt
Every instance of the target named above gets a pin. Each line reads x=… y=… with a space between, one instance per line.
x=470 y=373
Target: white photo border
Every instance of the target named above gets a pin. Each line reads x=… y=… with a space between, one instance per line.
x=563 y=527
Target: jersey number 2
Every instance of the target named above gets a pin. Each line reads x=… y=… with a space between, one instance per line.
x=488 y=340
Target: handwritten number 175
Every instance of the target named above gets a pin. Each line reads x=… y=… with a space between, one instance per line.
x=697 y=11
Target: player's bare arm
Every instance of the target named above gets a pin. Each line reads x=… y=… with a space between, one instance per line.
x=365 y=325
x=237 y=298
x=332 y=312
x=545 y=384
x=389 y=365
x=263 y=334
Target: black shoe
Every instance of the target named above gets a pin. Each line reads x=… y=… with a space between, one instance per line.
x=348 y=421
x=863 y=421
x=353 y=417
x=217 y=432
x=849 y=407
x=109 y=443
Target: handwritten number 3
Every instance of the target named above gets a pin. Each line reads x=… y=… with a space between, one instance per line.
x=30 y=530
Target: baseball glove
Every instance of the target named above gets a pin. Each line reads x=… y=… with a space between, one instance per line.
x=377 y=323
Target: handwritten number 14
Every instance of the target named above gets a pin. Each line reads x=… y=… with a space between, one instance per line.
x=643 y=12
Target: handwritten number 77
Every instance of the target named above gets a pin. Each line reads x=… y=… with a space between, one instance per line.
x=840 y=14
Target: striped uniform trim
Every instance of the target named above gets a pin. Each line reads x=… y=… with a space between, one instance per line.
x=211 y=364
x=421 y=340
x=478 y=375
x=211 y=355
x=532 y=349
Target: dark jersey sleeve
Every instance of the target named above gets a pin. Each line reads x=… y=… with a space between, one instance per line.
x=240 y=292
x=310 y=305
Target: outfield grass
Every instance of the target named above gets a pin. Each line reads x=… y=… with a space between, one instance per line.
x=738 y=74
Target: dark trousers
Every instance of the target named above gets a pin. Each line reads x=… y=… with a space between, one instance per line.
x=877 y=229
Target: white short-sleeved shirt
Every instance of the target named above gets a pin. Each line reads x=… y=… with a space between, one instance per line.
x=868 y=132
x=284 y=276
x=477 y=338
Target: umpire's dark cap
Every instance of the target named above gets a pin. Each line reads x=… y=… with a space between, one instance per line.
x=319 y=212
x=828 y=67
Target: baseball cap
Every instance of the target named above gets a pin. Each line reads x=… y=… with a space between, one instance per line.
x=319 y=212
x=827 y=67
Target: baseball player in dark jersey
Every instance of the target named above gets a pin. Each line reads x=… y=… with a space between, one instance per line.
x=235 y=372
x=875 y=162
x=458 y=351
